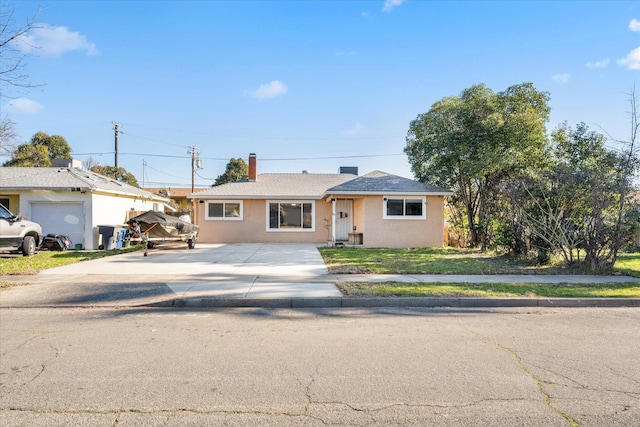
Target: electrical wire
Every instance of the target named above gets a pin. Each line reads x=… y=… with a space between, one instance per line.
x=254 y=137
x=200 y=176
x=276 y=159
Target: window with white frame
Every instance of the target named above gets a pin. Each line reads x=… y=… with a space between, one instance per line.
x=399 y=207
x=290 y=216
x=224 y=210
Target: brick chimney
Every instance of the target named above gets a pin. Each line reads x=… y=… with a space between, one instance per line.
x=253 y=167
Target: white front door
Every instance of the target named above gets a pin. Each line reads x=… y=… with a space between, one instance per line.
x=344 y=219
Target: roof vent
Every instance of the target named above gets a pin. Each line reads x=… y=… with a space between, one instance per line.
x=353 y=170
x=66 y=163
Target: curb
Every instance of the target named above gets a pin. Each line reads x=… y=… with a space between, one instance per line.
x=364 y=302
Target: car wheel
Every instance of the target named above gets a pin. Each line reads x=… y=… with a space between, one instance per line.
x=191 y=243
x=28 y=246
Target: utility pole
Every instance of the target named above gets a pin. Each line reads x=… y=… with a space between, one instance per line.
x=195 y=163
x=116 y=128
x=144 y=165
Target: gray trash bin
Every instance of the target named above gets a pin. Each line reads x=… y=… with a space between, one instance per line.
x=111 y=236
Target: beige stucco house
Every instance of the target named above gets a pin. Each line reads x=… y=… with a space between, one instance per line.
x=374 y=210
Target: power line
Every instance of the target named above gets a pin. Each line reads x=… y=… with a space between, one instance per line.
x=282 y=159
x=157 y=155
x=331 y=157
x=163 y=172
x=203 y=177
x=154 y=140
x=254 y=137
x=172 y=184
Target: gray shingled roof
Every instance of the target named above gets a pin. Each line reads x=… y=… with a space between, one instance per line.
x=315 y=186
x=17 y=178
x=276 y=185
x=378 y=182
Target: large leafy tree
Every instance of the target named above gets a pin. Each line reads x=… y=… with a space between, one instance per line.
x=120 y=174
x=40 y=151
x=473 y=142
x=235 y=170
x=56 y=144
x=29 y=155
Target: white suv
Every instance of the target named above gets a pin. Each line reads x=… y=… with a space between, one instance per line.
x=19 y=233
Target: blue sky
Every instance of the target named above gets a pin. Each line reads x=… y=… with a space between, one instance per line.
x=306 y=85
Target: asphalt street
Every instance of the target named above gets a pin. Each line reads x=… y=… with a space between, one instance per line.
x=94 y=344
x=313 y=367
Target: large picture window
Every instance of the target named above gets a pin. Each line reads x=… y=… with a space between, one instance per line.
x=290 y=216
x=404 y=208
x=229 y=210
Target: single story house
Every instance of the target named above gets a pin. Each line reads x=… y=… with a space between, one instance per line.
x=72 y=201
x=374 y=210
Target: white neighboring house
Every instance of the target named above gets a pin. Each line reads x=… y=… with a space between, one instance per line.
x=72 y=201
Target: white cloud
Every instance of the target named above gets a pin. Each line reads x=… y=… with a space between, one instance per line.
x=23 y=106
x=390 y=4
x=357 y=130
x=346 y=53
x=632 y=60
x=561 y=78
x=269 y=90
x=634 y=25
x=598 y=64
x=49 y=40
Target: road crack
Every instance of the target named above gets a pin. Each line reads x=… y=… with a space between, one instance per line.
x=537 y=381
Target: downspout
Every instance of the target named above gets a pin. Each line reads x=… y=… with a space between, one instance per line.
x=333 y=220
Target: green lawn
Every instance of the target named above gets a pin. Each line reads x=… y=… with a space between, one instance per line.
x=466 y=261
x=629 y=263
x=429 y=261
x=49 y=259
x=562 y=290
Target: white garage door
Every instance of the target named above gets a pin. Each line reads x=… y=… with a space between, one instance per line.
x=60 y=218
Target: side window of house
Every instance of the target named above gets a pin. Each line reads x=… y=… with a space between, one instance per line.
x=404 y=208
x=290 y=216
x=224 y=210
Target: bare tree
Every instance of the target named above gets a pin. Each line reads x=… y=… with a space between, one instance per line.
x=629 y=170
x=89 y=162
x=8 y=137
x=12 y=68
x=12 y=59
x=584 y=201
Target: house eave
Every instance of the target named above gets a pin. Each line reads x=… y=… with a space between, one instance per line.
x=384 y=193
x=133 y=195
x=255 y=197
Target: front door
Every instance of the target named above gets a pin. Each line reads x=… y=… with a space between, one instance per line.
x=344 y=219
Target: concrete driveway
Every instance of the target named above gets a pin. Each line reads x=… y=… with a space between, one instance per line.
x=252 y=270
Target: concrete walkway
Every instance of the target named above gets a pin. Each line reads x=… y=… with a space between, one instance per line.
x=248 y=275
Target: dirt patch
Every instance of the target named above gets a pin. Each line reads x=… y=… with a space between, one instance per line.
x=348 y=269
